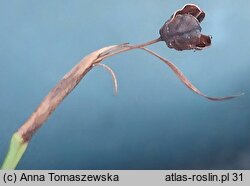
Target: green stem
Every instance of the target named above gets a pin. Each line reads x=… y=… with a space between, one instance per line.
x=16 y=149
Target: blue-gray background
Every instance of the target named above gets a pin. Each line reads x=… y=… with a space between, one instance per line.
x=155 y=122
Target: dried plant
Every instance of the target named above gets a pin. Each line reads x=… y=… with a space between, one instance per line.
x=181 y=32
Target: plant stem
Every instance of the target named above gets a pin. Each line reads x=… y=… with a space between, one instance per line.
x=16 y=150
x=24 y=134
x=130 y=47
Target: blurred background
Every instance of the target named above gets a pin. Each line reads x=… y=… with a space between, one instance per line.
x=155 y=122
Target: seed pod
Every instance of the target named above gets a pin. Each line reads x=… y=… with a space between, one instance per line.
x=183 y=30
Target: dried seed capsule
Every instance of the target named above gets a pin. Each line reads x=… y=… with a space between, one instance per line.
x=183 y=30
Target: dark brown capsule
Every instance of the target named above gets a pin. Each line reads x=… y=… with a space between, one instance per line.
x=183 y=30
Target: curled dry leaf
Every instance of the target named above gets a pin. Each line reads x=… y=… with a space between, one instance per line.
x=112 y=73
x=174 y=68
x=185 y=80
